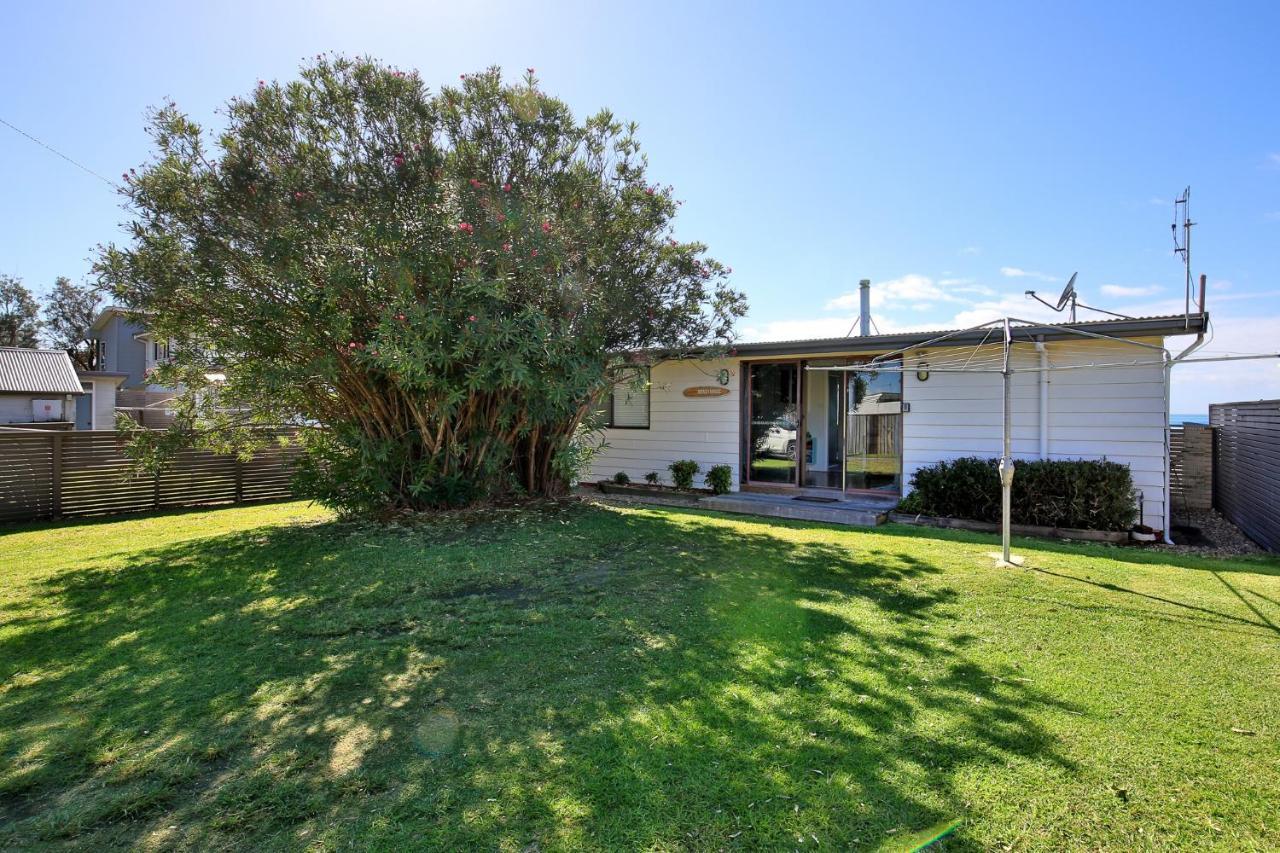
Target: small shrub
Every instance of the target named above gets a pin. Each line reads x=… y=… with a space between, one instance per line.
x=683 y=471
x=652 y=478
x=621 y=478
x=1080 y=493
x=720 y=479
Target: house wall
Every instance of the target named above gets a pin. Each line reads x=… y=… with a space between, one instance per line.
x=121 y=353
x=104 y=404
x=704 y=429
x=16 y=408
x=1094 y=413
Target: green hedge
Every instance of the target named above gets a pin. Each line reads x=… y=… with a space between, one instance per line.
x=1084 y=494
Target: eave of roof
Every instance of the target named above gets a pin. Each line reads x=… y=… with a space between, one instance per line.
x=1137 y=327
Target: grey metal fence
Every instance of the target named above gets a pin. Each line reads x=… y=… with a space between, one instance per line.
x=1246 y=467
x=46 y=474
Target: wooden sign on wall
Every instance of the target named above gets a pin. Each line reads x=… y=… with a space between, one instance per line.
x=705 y=391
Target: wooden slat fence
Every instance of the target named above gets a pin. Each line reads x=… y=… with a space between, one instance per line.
x=1246 y=467
x=1190 y=469
x=51 y=475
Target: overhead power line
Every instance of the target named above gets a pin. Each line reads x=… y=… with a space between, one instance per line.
x=49 y=147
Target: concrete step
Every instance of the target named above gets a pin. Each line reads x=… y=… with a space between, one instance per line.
x=841 y=512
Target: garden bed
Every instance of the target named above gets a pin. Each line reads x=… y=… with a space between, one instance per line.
x=1115 y=537
x=653 y=493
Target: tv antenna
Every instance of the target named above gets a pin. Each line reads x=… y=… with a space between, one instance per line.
x=1071 y=298
x=1182 y=247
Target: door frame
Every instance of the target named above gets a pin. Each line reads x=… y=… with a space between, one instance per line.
x=747 y=419
x=850 y=364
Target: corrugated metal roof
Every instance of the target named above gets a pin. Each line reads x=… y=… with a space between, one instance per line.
x=37 y=371
x=1168 y=325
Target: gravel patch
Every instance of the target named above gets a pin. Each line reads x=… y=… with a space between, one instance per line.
x=1211 y=535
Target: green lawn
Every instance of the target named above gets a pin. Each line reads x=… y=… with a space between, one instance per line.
x=585 y=677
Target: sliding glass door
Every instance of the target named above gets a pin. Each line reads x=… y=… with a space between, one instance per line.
x=775 y=419
x=873 y=431
x=835 y=427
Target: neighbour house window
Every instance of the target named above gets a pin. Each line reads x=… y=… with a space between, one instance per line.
x=628 y=405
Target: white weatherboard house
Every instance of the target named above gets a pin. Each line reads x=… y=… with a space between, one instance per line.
x=865 y=432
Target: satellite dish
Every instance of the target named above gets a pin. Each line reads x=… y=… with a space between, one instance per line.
x=1068 y=297
x=1068 y=292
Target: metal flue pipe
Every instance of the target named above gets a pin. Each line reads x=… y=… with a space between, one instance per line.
x=864 y=319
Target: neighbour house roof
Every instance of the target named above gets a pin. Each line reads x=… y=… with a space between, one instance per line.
x=1135 y=327
x=108 y=312
x=37 y=371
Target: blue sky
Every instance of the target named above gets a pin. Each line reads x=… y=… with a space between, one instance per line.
x=955 y=154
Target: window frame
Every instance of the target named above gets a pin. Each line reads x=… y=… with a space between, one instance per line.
x=648 y=411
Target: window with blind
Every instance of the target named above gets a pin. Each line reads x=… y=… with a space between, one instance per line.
x=628 y=405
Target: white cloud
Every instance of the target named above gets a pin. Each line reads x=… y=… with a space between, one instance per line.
x=1195 y=386
x=1273 y=159
x=912 y=288
x=824 y=327
x=1120 y=290
x=1019 y=272
x=971 y=250
x=1018 y=305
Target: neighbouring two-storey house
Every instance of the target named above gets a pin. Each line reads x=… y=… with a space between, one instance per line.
x=128 y=353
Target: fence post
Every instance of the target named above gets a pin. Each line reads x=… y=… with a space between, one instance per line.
x=239 y=478
x=55 y=478
x=155 y=497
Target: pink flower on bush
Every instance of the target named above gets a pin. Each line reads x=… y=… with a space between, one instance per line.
x=472 y=318
x=530 y=70
x=546 y=227
x=534 y=253
x=506 y=247
x=400 y=317
x=476 y=184
x=399 y=160
x=466 y=228
x=506 y=188
x=502 y=217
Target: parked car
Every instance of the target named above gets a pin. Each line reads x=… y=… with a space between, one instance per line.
x=778 y=439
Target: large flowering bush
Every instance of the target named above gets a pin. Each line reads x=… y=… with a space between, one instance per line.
x=434 y=286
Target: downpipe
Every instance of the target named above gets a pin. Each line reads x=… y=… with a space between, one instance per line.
x=1168 y=479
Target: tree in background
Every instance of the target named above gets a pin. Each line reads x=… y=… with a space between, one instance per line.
x=443 y=281
x=19 y=314
x=69 y=311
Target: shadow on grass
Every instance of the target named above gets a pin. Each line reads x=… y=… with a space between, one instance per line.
x=586 y=678
x=14 y=527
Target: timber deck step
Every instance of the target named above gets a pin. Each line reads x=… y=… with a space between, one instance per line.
x=857 y=512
